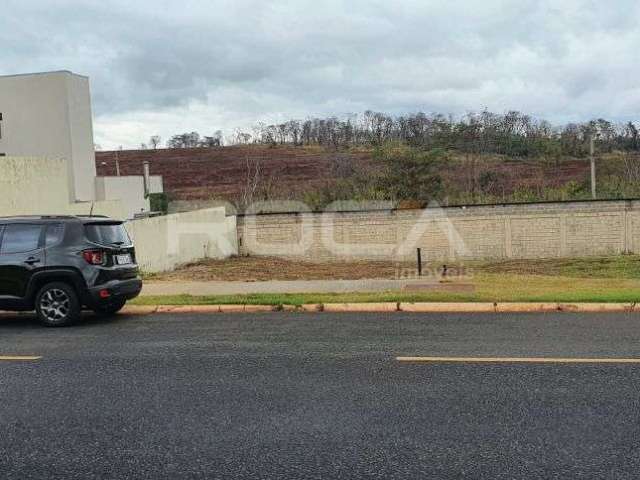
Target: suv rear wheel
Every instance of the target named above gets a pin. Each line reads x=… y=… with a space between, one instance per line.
x=57 y=305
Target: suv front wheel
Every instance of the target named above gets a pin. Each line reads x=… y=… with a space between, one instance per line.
x=57 y=305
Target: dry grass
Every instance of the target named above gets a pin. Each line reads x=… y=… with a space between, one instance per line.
x=619 y=266
x=252 y=269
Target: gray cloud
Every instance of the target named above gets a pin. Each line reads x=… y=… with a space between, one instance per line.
x=162 y=67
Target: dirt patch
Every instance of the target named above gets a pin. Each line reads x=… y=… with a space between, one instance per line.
x=252 y=269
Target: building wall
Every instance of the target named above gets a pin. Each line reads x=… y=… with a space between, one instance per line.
x=39 y=186
x=543 y=230
x=162 y=243
x=81 y=130
x=28 y=184
x=49 y=115
x=110 y=208
x=129 y=189
x=156 y=184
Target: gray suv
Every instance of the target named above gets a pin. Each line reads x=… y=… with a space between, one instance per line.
x=56 y=265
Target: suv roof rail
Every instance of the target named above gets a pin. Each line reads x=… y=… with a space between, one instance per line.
x=51 y=217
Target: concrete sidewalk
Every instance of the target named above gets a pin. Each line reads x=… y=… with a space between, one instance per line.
x=294 y=286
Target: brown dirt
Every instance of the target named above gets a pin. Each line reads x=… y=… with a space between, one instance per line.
x=220 y=173
x=249 y=269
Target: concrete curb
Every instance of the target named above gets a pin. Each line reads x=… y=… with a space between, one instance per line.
x=388 y=307
x=361 y=307
x=447 y=307
x=517 y=307
x=432 y=307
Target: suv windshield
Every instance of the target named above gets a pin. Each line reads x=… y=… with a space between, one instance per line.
x=107 y=233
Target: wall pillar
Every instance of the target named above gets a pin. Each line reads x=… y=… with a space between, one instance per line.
x=627 y=242
x=508 y=239
x=564 y=249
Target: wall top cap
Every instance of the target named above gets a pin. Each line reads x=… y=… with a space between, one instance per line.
x=53 y=72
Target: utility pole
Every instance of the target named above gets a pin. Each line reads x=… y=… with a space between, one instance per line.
x=117 y=164
x=593 y=165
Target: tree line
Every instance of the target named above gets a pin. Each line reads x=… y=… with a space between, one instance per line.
x=184 y=140
x=513 y=134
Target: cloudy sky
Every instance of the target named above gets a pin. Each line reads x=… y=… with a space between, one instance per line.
x=164 y=67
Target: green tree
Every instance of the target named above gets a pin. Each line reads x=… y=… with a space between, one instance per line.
x=411 y=174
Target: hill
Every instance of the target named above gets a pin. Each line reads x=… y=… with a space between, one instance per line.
x=213 y=173
x=223 y=172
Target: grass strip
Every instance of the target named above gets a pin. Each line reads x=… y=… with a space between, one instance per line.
x=487 y=288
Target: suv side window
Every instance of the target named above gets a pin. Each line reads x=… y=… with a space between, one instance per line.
x=54 y=234
x=20 y=238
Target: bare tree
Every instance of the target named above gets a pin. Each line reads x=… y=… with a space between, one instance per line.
x=241 y=138
x=154 y=141
x=253 y=177
x=631 y=167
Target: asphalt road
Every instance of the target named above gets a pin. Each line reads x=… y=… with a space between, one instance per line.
x=320 y=396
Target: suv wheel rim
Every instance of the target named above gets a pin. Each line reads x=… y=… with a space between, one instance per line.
x=54 y=305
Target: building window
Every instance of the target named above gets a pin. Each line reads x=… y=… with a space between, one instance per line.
x=0 y=125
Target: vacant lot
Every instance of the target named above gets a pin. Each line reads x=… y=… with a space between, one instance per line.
x=606 y=279
x=253 y=269
x=250 y=269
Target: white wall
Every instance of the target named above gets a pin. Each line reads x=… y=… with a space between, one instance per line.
x=33 y=185
x=49 y=115
x=162 y=243
x=110 y=208
x=156 y=184
x=38 y=186
x=128 y=189
x=83 y=158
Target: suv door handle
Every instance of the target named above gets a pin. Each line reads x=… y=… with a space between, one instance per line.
x=32 y=260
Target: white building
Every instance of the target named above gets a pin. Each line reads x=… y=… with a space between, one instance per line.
x=48 y=116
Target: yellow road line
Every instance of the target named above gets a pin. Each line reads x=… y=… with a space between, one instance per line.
x=18 y=358
x=513 y=360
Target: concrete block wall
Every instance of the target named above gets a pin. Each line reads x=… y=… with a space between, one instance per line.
x=543 y=230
